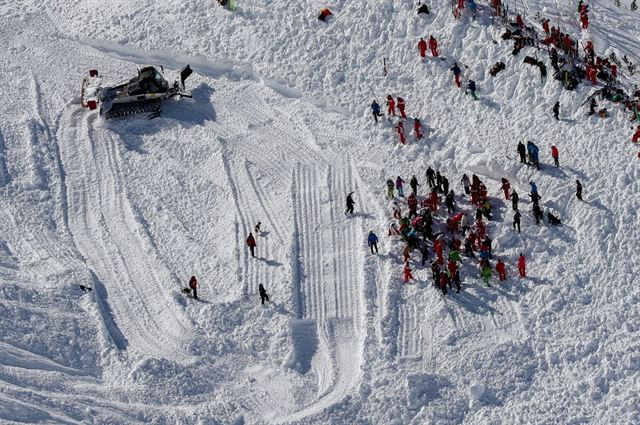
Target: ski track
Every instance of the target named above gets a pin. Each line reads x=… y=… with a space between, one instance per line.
x=112 y=243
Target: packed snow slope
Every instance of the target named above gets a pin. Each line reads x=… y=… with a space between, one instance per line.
x=279 y=131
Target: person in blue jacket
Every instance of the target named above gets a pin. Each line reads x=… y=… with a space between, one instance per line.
x=473 y=8
x=373 y=242
x=375 y=110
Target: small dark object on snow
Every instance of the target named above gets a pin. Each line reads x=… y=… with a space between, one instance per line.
x=422 y=8
x=498 y=67
x=85 y=288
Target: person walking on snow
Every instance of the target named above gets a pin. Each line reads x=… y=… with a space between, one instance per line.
x=456 y=73
x=433 y=45
x=506 y=187
x=486 y=275
x=400 y=130
x=263 y=294
x=407 y=275
x=556 y=111
x=417 y=128
x=373 y=242
x=414 y=185
x=399 y=186
x=522 y=265
x=422 y=47
x=592 y=106
x=350 y=203
x=516 y=220
x=375 y=110
x=522 y=151
x=466 y=184
x=502 y=271
x=251 y=243
x=514 y=200
x=431 y=177
x=555 y=154
x=578 y=190
x=390 y=188
x=401 y=107
x=445 y=185
x=391 y=106
x=193 y=284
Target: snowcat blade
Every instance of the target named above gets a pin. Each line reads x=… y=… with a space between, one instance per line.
x=184 y=74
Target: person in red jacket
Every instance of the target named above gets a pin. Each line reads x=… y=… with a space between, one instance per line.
x=545 y=26
x=422 y=47
x=453 y=266
x=324 y=14
x=592 y=74
x=433 y=45
x=520 y=21
x=417 y=127
x=501 y=269
x=401 y=107
x=437 y=245
x=407 y=273
x=555 y=155
x=522 y=266
x=412 y=202
x=391 y=106
x=400 y=130
x=506 y=187
x=251 y=243
x=193 y=284
x=636 y=136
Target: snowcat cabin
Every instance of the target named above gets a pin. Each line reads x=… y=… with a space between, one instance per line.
x=149 y=80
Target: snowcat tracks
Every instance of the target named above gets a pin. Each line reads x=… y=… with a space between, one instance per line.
x=116 y=111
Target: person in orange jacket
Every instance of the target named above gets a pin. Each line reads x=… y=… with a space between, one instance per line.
x=433 y=45
x=422 y=47
x=522 y=266
x=555 y=155
x=407 y=273
x=401 y=107
x=391 y=106
x=400 y=130
x=502 y=270
x=251 y=243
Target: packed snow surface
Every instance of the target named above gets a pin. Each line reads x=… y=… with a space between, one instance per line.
x=279 y=131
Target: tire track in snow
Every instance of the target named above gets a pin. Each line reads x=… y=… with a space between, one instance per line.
x=107 y=235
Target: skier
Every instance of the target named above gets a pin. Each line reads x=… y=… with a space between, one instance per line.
x=251 y=243
x=433 y=45
x=422 y=47
x=373 y=242
x=391 y=106
x=466 y=184
x=350 y=204
x=556 y=110
x=578 y=190
x=486 y=274
x=430 y=177
x=417 y=128
x=501 y=269
x=390 y=188
x=414 y=185
x=375 y=110
x=407 y=273
x=516 y=220
x=522 y=151
x=471 y=87
x=456 y=73
x=514 y=200
x=522 y=265
x=555 y=154
x=506 y=186
x=263 y=294
x=399 y=186
x=400 y=130
x=400 y=104
x=193 y=284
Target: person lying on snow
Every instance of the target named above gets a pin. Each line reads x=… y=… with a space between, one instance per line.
x=554 y=220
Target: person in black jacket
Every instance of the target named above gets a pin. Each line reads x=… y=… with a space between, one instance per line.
x=350 y=204
x=263 y=293
x=522 y=151
x=578 y=190
x=514 y=200
x=431 y=177
x=556 y=110
x=516 y=220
